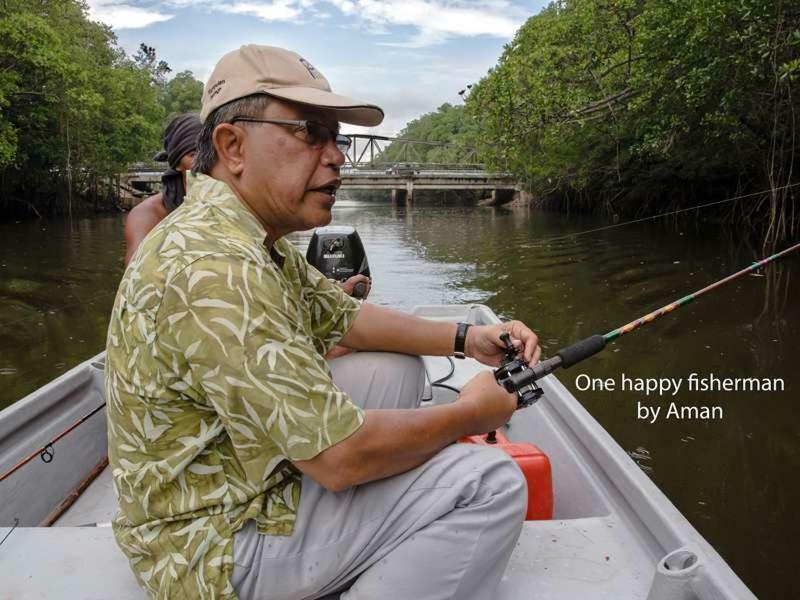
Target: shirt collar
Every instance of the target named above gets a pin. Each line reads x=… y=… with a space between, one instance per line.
x=203 y=188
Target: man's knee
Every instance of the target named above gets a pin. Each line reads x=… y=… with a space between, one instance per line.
x=505 y=479
x=380 y=379
x=496 y=480
x=368 y=363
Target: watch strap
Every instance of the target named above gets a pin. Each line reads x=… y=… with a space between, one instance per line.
x=461 y=340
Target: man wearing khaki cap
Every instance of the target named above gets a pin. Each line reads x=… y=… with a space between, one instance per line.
x=245 y=465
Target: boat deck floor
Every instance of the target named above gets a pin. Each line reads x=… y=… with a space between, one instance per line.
x=555 y=560
x=96 y=506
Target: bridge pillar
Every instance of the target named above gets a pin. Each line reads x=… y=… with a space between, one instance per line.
x=409 y=191
x=502 y=197
x=498 y=197
x=399 y=196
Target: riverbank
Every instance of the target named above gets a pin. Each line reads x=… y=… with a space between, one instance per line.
x=99 y=200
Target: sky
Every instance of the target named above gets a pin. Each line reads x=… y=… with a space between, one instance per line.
x=408 y=56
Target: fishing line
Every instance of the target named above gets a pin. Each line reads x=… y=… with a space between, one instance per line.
x=658 y=216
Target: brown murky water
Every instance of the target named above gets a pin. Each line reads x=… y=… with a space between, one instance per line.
x=735 y=478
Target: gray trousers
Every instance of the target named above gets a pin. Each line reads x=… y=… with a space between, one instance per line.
x=444 y=529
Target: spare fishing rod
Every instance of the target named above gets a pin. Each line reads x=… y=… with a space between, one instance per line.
x=47 y=452
x=516 y=376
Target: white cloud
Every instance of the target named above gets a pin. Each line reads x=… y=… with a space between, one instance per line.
x=277 y=10
x=431 y=21
x=124 y=16
x=346 y=6
x=421 y=88
x=438 y=20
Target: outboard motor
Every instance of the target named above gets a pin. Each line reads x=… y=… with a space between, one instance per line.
x=337 y=252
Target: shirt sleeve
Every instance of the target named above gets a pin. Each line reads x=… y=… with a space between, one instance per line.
x=332 y=311
x=240 y=329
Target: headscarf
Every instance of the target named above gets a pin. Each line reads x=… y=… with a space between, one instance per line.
x=180 y=138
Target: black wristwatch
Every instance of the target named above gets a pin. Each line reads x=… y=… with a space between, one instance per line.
x=461 y=340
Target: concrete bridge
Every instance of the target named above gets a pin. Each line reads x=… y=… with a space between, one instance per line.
x=402 y=181
x=368 y=166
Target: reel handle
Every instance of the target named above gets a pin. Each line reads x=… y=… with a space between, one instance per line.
x=508 y=376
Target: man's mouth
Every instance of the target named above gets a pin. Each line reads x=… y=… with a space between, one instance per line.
x=329 y=188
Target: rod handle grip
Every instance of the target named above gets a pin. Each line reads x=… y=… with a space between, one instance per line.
x=581 y=350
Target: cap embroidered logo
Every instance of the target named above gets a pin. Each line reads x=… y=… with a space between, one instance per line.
x=310 y=67
x=216 y=88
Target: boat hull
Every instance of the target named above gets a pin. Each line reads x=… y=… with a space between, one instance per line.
x=611 y=532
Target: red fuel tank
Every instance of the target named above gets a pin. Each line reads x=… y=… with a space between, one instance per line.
x=534 y=465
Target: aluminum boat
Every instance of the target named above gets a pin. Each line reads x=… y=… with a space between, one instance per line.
x=613 y=536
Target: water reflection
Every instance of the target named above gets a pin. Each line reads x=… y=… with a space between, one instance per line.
x=57 y=284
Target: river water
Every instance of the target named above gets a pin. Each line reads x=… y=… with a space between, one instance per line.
x=735 y=478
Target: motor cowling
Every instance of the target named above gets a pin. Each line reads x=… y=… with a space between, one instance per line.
x=337 y=253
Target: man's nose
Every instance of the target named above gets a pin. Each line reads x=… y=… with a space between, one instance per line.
x=331 y=155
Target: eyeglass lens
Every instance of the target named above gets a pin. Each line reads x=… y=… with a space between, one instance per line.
x=319 y=134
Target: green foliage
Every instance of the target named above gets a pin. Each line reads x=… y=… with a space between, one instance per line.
x=449 y=125
x=631 y=101
x=181 y=94
x=74 y=110
x=146 y=60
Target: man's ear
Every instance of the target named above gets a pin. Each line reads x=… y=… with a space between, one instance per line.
x=228 y=140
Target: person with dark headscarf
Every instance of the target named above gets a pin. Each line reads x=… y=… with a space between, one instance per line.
x=180 y=144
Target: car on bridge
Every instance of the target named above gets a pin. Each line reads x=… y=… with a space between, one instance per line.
x=402 y=170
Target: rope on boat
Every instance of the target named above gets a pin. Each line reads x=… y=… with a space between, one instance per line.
x=47 y=452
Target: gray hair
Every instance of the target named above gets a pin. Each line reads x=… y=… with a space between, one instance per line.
x=249 y=106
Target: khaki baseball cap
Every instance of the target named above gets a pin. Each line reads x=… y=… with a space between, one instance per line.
x=255 y=69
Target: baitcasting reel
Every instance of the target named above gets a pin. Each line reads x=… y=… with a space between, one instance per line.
x=508 y=373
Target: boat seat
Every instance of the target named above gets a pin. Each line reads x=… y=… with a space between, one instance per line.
x=65 y=562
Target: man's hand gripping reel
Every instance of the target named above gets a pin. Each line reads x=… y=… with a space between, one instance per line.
x=508 y=375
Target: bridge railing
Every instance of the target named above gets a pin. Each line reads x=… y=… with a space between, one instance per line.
x=148 y=167
x=384 y=167
x=370 y=152
x=393 y=168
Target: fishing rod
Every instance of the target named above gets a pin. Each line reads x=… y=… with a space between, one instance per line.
x=47 y=452
x=516 y=376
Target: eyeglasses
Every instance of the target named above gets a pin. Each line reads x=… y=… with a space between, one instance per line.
x=315 y=134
